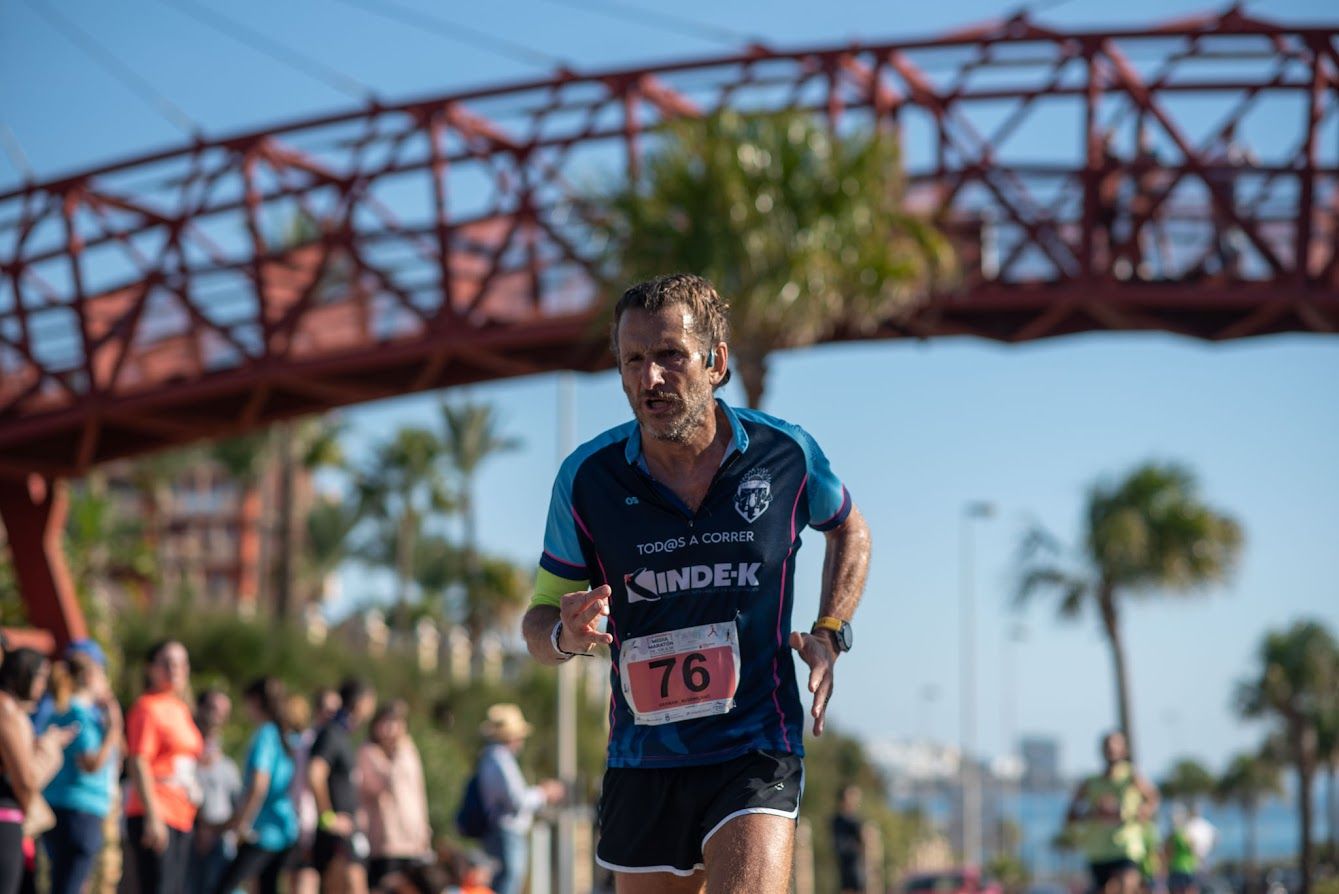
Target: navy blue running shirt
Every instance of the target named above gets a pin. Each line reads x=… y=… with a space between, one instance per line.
x=701 y=602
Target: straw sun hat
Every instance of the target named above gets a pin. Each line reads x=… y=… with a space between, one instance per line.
x=505 y=723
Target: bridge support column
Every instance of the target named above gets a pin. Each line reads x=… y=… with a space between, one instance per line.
x=33 y=511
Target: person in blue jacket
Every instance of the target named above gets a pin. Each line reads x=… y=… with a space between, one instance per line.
x=80 y=795
x=266 y=822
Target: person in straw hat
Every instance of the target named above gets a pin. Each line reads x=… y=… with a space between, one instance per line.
x=509 y=802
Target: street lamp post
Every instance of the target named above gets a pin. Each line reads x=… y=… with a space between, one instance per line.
x=567 y=677
x=970 y=781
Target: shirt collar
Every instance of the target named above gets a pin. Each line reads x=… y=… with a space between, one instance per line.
x=739 y=438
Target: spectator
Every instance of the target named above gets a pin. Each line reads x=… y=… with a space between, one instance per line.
x=265 y=823
x=163 y=747
x=307 y=720
x=302 y=879
x=213 y=847
x=393 y=796
x=339 y=848
x=81 y=793
x=848 y=841
x=508 y=801
x=27 y=762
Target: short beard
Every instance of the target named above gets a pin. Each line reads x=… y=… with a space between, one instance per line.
x=680 y=430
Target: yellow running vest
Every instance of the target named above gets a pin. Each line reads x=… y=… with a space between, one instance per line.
x=1110 y=828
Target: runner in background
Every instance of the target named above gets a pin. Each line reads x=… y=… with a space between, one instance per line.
x=1108 y=812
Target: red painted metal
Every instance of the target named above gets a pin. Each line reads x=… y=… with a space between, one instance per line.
x=1181 y=178
x=33 y=511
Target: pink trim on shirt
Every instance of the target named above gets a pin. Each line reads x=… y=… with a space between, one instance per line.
x=780 y=608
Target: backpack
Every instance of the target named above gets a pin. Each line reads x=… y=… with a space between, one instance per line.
x=472 y=816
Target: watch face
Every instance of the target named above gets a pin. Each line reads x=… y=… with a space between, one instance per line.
x=841 y=637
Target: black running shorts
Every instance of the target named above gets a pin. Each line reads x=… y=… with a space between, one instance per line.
x=659 y=820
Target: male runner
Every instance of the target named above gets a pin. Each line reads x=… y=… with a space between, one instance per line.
x=685 y=522
x=1109 y=812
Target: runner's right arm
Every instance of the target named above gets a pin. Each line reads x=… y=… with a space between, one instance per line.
x=1076 y=803
x=562 y=585
x=580 y=613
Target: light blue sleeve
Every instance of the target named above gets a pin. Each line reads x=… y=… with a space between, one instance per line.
x=829 y=502
x=562 y=544
x=89 y=738
x=265 y=751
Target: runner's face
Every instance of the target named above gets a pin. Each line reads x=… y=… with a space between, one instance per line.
x=1113 y=748
x=172 y=669
x=663 y=364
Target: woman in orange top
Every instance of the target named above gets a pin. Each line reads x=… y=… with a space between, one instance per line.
x=162 y=746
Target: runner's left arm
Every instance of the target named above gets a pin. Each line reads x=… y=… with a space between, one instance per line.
x=1152 y=798
x=845 y=565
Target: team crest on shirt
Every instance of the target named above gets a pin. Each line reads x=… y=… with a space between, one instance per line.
x=754 y=494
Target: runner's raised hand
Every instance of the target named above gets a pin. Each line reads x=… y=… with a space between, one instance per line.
x=581 y=613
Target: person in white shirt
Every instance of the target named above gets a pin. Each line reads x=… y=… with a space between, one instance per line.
x=509 y=802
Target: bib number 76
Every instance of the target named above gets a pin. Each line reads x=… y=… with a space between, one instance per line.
x=681 y=674
x=696 y=678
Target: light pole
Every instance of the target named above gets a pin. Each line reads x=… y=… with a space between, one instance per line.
x=970 y=781
x=567 y=675
x=1009 y=700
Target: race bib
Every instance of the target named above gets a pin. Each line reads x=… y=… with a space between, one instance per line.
x=681 y=674
x=185 y=776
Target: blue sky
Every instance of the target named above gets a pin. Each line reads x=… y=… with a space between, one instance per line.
x=915 y=429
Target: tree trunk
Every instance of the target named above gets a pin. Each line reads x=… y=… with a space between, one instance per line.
x=1332 y=806
x=1304 y=741
x=404 y=557
x=1249 y=830
x=472 y=613
x=1111 y=626
x=283 y=584
x=752 y=371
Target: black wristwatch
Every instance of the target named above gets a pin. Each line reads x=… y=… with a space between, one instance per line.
x=839 y=630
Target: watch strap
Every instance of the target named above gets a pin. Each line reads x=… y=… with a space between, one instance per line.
x=555 y=641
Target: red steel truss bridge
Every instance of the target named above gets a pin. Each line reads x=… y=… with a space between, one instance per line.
x=1181 y=177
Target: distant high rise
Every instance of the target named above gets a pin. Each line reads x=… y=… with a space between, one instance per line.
x=1041 y=762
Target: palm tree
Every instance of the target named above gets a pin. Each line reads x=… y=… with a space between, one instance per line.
x=471 y=436
x=498 y=591
x=1248 y=780
x=309 y=445
x=1187 y=782
x=802 y=228
x=401 y=486
x=1296 y=684
x=1148 y=533
x=328 y=525
x=1327 y=746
